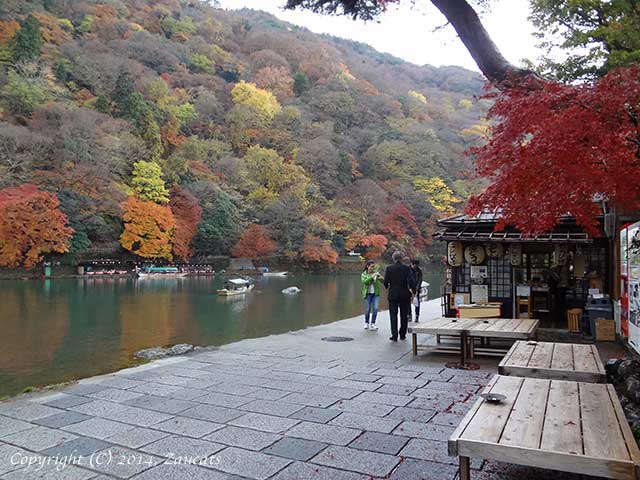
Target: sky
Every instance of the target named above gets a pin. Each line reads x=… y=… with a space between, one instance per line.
x=412 y=33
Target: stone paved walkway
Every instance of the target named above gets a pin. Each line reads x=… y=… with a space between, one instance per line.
x=286 y=407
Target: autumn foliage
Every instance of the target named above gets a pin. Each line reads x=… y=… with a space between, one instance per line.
x=255 y=243
x=316 y=250
x=187 y=213
x=559 y=146
x=148 y=228
x=375 y=245
x=31 y=224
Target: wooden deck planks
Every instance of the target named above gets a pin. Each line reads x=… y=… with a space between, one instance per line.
x=524 y=426
x=587 y=358
x=519 y=355
x=562 y=431
x=541 y=357
x=562 y=358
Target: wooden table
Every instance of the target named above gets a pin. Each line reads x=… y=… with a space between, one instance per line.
x=480 y=310
x=555 y=361
x=444 y=326
x=555 y=424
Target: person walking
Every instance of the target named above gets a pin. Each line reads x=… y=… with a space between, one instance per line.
x=407 y=261
x=417 y=275
x=371 y=280
x=398 y=281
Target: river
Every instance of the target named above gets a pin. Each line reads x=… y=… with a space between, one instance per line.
x=64 y=329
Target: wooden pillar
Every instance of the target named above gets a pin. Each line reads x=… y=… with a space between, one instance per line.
x=465 y=472
x=414 y=342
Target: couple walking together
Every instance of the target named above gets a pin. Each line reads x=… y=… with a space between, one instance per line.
x=402 y=282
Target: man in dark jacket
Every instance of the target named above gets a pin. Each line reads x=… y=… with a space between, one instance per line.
x=399 y=281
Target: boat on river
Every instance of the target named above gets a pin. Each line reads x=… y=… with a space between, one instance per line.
x=161 y=272
x=236 y=286
x=275 y=274
x=424 y=290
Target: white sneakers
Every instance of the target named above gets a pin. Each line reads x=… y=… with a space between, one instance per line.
x=366 y=326
x=373 y=327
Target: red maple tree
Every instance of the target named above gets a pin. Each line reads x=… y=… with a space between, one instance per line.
x=187 y=213
x=255 y=243
x=557 y=147
x=375 y=245
x=31 y=224
x=316 y=250
x=400 y=223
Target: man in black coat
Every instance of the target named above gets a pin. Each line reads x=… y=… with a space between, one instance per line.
x=398 y=279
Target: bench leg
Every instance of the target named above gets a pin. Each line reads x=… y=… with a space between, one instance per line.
x=465 y=472
x=414 y=343
x=438 y=339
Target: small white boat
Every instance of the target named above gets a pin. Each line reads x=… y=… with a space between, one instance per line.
x=161 y=272
x=275 y=274
x=291 y=290
x=236 y=286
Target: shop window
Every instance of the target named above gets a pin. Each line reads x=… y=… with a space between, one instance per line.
x=499 y=277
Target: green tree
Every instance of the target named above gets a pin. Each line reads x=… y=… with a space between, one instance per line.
x=301 y=83
x=148 y=183
x=262 y=102
x=23 y=95
x=28 y=42
x=593 y=36
x=220 y=227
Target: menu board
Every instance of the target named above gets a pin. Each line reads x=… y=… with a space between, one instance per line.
x=633 y=282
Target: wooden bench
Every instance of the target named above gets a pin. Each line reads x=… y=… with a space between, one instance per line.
x=554 y=424
x=501 y=328
x=555 y=361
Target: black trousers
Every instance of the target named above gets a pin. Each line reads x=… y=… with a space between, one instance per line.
x=405 y=310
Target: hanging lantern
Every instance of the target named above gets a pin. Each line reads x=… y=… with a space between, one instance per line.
x=560 y=254
x=454 y=254
x=515 y=252
x=474 y=254
x=494 y=250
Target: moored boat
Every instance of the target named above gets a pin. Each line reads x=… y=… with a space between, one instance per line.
x=275 y=274
x=160 y=272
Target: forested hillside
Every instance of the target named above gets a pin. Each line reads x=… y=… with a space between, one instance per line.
x=172 y=129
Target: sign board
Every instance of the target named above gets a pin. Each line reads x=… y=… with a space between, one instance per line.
x=515 y=252
x=454 y=254
x=479 y=272
x=633 y=263
x=479 y=293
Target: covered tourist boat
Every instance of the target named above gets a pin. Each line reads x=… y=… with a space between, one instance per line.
x=236 y=286
x=160 y=272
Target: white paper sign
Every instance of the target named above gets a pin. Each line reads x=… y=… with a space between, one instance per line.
x=479 y=293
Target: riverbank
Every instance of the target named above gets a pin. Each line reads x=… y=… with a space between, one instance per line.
x=288 y=406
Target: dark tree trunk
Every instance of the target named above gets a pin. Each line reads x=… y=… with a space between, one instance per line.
x=478 y=42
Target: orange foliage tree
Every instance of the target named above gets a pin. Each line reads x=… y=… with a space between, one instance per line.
x=148 y=228
x=375 y=245
x=400 y=224
x=255 y=243
x=316 y=250
x=31 y=224
x=188 y=213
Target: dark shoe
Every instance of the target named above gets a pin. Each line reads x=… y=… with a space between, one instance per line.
x=403 y=338
x=393 y=339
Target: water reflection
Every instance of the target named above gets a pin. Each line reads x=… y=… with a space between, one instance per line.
x=58 y=330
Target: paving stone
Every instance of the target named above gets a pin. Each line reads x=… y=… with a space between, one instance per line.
x=390 y=372
x=232 y=388
x=183 y=372
x=212 y=413
x=315 y=414
x=265 y=423
x=84 y=388
x=419 y=368
x=176 y=446
x=81 y=446
x=120 y=462
x=272 y=408
x=310 y=400
x=50 y=471
x=160 y=404
x=363 y=408
x=319 y=432
x=223 y=400
x=356 y=385
x=369 y=463
x=363 y=377
x=452 y=387
x=461 y=408
x=114 y=395
x=432 y=450
x=430 y=431
x=39 y=438
x=435 y=403
x=168 y=471
x=10 y=457
x=365 y=422
x=295 y=448
x=336 y=372
x=379 y=442
x=173 y=380
x=243 y=437
x=137 y=437
x=435 y=377
x=395 y=389
x=286 y=385
x=66 y=401
x=337 y=392
x=467 y=380
x=189 y=427
x=447 y=419
x=411 y=469
x=116 y=381
x=61 y=419
x=98 y=428
x=12 y=425
x=100 y=408
x=28 y=411
x=383 y=398
x=139 y=416
x=304 y=471
x=412 y=414
x=407 y=382
x=253 y=465
x=267 y=394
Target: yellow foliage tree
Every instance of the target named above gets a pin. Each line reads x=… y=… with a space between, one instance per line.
x=438 y=193
x=263 y=102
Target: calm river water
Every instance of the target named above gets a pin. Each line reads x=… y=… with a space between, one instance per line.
x=59 y=330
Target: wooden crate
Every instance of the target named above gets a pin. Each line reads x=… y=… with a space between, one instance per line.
x=605 y=330
x=573 y=319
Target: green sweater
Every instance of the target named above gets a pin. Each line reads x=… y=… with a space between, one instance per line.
x=367 y=279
